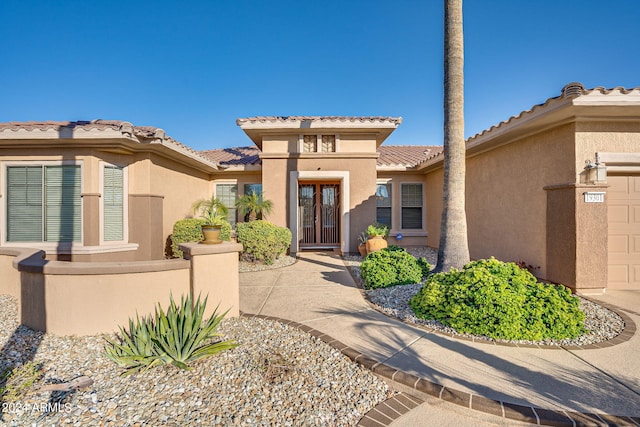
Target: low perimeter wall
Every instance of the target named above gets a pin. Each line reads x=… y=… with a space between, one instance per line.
x=76 y=298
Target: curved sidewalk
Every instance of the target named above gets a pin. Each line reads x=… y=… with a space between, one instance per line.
x=596 y=386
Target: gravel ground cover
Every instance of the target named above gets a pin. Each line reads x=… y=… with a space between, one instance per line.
x=277 y=376
x=602 y=323
x=283 y=261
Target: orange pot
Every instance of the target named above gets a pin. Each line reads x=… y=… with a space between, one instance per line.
x=362 y=248
x=376 y=243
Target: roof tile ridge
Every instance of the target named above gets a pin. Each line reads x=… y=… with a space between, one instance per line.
x=606 y=91
x=523 y=113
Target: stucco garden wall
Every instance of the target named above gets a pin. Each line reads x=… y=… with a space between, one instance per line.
x=70 y=298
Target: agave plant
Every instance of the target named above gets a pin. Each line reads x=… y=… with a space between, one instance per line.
x=179 y=336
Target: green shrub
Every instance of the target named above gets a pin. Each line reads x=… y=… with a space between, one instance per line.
x=262 y=241
x=377 y=229
x=499 y=300
x=389 y=267
x=17 y=381
x=189 y=230
x=424 y=266
x=179 y=336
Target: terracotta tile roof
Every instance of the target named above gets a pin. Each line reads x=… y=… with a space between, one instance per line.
x=569 y=92
x=234 y=156
x=390 y=155
x=127 y=129
x=47 y=125
x=406 y=155
x=263 y=119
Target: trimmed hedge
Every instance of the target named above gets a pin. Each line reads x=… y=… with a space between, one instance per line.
x=262 y=241
x=501 y=301
x=189 y=230
x=390 y=267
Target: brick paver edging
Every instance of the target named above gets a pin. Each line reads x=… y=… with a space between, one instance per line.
x=417 y=386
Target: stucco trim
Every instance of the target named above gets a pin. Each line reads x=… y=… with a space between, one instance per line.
x=572 y=185
x=345 y=200
x=32 y=260
x=619 y=158
x=319 y=155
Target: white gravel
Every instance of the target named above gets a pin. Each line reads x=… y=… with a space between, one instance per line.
x=278 y=375
x=283 y=261
x=602 y=323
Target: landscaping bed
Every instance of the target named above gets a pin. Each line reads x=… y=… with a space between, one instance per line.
x=278 y=375
x=602 y=323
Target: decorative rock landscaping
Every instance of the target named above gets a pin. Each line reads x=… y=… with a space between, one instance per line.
x=278 y=375
x=602 y=323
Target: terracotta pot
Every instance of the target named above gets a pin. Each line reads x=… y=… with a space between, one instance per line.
x=376 y=243
x=362 y=248
x=211 y=234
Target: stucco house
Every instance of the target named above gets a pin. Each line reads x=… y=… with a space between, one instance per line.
x=557 y=187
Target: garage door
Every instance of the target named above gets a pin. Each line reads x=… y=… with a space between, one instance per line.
x=624 y=232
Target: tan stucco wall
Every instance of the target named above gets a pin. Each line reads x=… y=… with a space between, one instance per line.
x=600 y=136
x=10 y=282
x=411 y=237
x=82 y=305
x=506 y=202
x=362 y=179
x=357 y=143
x=215 y=274
x=280 y=144
x=161 y=191
x=180 y=187
x=525 y=201
x=506 y=197
x=64 y=298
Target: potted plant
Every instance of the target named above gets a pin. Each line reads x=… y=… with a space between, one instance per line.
x=362 y=246
x=214 y=212
x=377 y=234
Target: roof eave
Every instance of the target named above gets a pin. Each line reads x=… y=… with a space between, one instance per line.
x=107 y=138
x=257 y=127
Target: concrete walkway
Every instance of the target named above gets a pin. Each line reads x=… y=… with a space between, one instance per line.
x=527 y=384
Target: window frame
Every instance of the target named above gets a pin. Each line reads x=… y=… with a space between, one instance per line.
x=49 y=246
x=125 y=204
x=389 y=183
x=422 y=206
x=319 y=143
x=233 y=209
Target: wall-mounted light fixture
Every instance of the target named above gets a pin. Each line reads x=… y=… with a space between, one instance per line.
x=596 y=173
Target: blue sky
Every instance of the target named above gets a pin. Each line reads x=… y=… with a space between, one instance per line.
x=193 y=67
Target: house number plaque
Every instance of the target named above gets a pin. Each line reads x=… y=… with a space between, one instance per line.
x=594 y=197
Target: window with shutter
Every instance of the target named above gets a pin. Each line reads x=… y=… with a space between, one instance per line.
x=411 y=206
x=113 y=204
x=44 y=203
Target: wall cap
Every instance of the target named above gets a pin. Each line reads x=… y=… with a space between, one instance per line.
x=33 y=261
x=193 y=249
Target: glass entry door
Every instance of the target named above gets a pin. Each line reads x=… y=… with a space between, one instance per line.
x=319 y=214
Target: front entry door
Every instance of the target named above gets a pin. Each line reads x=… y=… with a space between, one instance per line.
x=319 y=214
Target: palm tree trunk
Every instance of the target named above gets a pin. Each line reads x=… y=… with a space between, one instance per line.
x=454 y=247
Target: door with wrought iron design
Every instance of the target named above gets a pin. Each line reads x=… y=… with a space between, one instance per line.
x=319 y=214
